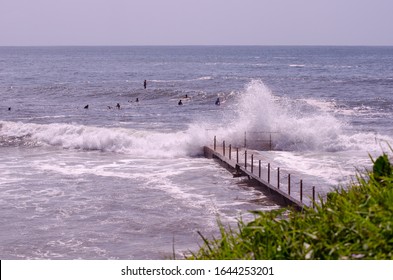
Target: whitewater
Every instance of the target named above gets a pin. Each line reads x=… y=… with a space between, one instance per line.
x=132 y=183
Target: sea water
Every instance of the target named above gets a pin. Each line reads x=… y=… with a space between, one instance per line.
x=132 y=183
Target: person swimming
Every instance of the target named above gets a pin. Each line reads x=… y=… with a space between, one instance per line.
x=218 y=101
x=145 y=84
x=87 y=106
x=180 y=102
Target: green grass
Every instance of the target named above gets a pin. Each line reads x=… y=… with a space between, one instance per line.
x=353 y=223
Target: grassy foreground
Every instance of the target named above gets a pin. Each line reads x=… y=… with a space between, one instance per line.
x=353 y=223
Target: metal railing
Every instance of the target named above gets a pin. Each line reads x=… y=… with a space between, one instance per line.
x=266 y=173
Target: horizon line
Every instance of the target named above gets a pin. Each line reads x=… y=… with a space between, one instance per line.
x=200 y=45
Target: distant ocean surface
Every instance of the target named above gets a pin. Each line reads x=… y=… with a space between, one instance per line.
x=132 y=183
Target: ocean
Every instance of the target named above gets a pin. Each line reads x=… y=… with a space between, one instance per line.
x=132 y=183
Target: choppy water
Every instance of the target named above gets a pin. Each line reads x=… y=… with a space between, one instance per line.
x=104 y=183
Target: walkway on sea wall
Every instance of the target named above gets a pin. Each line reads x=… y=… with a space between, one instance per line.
x=291 y=190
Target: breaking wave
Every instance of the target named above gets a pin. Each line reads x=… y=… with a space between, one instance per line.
x=119 y=140
x=293 y=125
x=254 y=113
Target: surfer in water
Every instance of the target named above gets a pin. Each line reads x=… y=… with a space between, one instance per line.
x=217 y=101
x=145 y=84
x=180 y=102
x=118 y=106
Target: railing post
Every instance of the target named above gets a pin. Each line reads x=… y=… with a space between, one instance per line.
x=259 y=165
x=289 y=184
x=301 y=191
x=270 y=146
x=252 y=163
x=268 y=172
x=223 y=148
x=230 y=151
x=215 y=143
x=245 y=159
x=313 y=197
x=237 y=155
x=278 y=177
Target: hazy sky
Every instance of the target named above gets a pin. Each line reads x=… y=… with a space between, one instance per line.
x=196 y=22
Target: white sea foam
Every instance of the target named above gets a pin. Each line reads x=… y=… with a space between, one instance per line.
x=205 y=78
x=324 y=105
x=260 y=112
x=119 y=140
